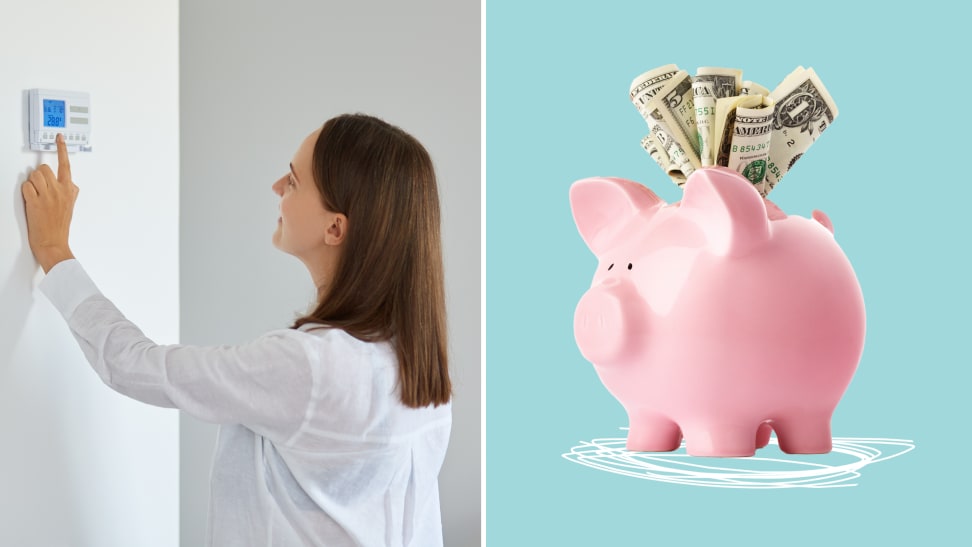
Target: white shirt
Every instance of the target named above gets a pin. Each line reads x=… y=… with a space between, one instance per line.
x=315 y=446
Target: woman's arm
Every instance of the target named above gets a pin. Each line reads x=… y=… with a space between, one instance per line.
x=265 y=384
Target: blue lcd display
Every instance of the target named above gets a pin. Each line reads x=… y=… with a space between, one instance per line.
x=53 y=113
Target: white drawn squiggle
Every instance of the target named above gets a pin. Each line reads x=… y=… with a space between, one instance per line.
x=780 y=471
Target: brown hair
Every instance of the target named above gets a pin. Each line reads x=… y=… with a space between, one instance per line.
x=388 y=284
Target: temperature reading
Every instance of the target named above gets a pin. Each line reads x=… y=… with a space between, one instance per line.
x=50 y=112
x=53 y=113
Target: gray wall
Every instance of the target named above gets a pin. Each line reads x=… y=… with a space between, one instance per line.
x=80 y=464
x=256 y=78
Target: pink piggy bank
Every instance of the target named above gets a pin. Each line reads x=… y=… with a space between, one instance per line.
x=718 y=318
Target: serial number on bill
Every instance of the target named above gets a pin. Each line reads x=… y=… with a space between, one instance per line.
x=750 y=147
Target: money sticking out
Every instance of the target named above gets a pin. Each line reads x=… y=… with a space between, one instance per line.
x=717 y=118
x=672 y=110
x=751 y=133
x=705 y=102
x=726 y=82
x=651 y=145
x=659 y=144
x=750 y=87
x=680 y=166
x=646 y=85
x=804 y=109
x=709 y=84
x=725 y=121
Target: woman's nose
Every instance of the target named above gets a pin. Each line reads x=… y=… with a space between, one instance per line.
x=278 y=187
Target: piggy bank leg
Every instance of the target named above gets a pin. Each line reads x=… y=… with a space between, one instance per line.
x=651 y=432
x=722 y=440
x=804 y=434
x=763 y=434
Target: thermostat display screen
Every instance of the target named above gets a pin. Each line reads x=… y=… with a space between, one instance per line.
x=50 y=112
x=53 y=113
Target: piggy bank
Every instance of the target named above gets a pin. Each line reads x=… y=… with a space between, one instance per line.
x=718 y=319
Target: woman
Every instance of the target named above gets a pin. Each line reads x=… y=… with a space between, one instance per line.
x=332 y=431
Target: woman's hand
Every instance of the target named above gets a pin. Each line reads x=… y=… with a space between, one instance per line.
x=49 y=202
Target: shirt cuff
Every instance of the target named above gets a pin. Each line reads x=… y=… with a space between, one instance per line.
x=67 y=285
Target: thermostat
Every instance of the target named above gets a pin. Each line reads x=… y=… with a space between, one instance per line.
x=50 y=112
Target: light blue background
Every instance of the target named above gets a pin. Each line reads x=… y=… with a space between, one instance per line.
x=891 y=173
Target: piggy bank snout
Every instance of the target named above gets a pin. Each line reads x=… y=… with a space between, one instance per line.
x=606 y=322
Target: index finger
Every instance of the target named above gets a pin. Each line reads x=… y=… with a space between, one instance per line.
x=63 y=163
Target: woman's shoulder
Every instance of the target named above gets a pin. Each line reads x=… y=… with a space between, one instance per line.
x=332 y=334
x=333 y=341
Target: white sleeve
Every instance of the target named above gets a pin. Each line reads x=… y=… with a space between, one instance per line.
x=265 y=384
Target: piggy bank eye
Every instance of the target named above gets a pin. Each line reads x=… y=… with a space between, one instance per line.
x=629 y=265
x=609 y=267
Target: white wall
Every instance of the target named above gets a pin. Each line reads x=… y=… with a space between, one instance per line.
x=80 y=464
x=251 y=91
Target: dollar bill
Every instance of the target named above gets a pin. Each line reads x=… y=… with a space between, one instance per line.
x=726 y=82
x=680 y=157
x=646 y=85
x=674 y=106
x=750 y=87
x=709 y=84
x=680 y=166
x=725 y=120
x=804 y=109
x=651 y=145
x=751 y=133
x=705 y=101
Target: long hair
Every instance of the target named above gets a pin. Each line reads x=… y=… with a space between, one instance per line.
x=388 y=283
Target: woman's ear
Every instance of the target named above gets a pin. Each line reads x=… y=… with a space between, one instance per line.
x=337 y=230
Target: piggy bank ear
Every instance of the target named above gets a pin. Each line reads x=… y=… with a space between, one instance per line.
x=602 y=206
x=728 y=208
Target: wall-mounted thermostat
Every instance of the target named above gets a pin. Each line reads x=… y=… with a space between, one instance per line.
x=50 y=112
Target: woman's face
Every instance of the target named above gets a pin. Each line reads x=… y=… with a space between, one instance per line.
x=303 y=224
